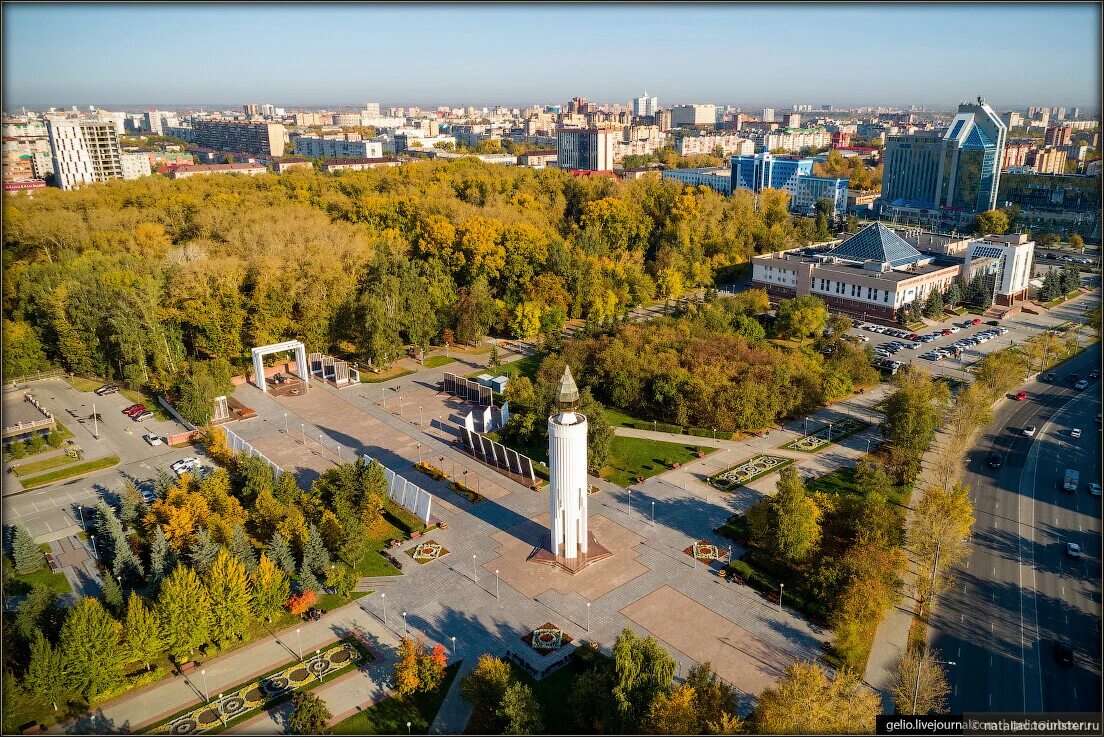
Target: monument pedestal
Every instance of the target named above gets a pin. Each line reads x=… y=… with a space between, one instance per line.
x=595 y=552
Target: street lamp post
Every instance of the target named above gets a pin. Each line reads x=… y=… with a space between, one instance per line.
x=383 y=605
x=496 y=583
x=830 y=431
x=408 y=727
x=92 y=539
x=80 y=513
x=781 y=586
x=919 y=669
x=653 y=513
x=406 y=627
x=475 y=573
x=206 y=693
x=285 y=424
x=299 y=640
x=588 y=617
x=318 y=658
x=95 y=422
x=454 y=646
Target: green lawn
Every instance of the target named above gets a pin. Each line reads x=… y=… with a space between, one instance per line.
x=84 y=385
x=526 y=366
x=842 y=482
x=395 y=372
x=618 y=417
x=553 y=690
x=42 y=577
x=69 y=471
x=27 y=469
x=149 y=400
x=391 y=715
x=435 y=361
x=633 y=457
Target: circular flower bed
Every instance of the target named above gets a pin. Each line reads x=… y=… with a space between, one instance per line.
x=748 y=470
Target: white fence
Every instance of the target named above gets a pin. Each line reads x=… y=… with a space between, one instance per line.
x=240 y=446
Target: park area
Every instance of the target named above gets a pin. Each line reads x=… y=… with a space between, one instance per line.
x=634 y=459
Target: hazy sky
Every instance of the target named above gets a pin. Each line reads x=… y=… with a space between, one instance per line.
x=783 y=54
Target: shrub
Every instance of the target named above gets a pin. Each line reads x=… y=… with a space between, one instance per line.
x=299 y=603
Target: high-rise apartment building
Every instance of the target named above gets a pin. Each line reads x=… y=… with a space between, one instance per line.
x=84 y=152
x=791 y=120
x=135 y=165
x=260 y=139
x=1050 y=160
x=956 y=174
x=768 y=115
x=251 y=109
x=371 y=110
x=645 y=106
x=152 y=122
x=1058 y=135
x=591 y=148
x=1013 y=119
x=685 y=115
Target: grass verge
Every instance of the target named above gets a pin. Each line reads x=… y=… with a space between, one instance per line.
x=29 y=469
x=391 y=715
x=395 y=372
x=435 y=361
x=23 y=584
x=633 y=458
x=70 y=471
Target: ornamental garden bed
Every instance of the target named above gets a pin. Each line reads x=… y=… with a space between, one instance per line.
x=271 y=689
x=749 y=470
x=707 y=552
x=467 y=492
x=428 y=551
x=546 y=639
x=825 y=436
x=432 y=471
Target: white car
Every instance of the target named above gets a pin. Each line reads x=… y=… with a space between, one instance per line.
x=186 y=465
x=954 y=328
x=1073 y=550
x=1029 y=431
x=1094 y=488
x=863 y=339
x=1075 y=432
x=151 y=439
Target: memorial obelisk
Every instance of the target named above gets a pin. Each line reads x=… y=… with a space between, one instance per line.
x=567 y=465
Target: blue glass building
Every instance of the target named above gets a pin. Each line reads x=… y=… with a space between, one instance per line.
x=763 y=171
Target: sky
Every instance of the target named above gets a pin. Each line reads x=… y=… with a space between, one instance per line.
x=782 y=54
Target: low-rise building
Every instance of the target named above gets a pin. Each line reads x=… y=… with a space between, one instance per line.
x=135 y=165
x=729 y=145
x=330 y=147
x=183 y=172
x=719 y=178
x=288 y=163
x=26 y=186
x=331 y=166
x=538 y=159
x=813 y=189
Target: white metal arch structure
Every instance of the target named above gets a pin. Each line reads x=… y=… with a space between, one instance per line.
x=291 y=345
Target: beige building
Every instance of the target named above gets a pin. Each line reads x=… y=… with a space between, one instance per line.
x=358 y=164
x=183 y=172
x=260 y=139
x=1050 y=160
x=84 y=152
x=796 y=139
x=539 y=159
x=729 y=145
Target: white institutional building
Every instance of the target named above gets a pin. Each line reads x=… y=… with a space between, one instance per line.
x=567 y=465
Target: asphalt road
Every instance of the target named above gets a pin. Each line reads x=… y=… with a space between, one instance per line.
x=1018 y=593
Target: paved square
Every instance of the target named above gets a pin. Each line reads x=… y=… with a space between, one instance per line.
x=593 y=582
x=702 y=634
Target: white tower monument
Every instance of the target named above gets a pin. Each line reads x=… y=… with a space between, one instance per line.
x=567 y=465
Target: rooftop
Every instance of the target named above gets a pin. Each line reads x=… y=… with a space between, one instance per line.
x=878 y=243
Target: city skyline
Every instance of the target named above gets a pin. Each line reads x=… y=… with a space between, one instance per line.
x=363 y=58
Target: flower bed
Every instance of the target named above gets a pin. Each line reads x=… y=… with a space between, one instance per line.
x=467 y=492
x=748 y=471
x=249 y=699
x=432 y=471
x=837 y=431
x=427 y=551
x=707 y=552
x=546 y=639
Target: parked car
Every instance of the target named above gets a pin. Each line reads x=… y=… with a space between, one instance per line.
x=1094 y=374
x=1047 y=376
x=1081 y=385
x=133 y=408
x=946 y=331
x=1063 y=654
x=1029 y=431
x=142 y=416
x=995 y=459
x=1020 y=396
x=1075 y=432
x=1073 y=550
x=106 y=389
x=975 y=321
x=1094 y=488
x=151 y=439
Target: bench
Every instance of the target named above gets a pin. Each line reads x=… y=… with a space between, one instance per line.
x=187 y=667
x=53 y=563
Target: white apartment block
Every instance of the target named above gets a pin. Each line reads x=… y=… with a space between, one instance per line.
x=729 y=145
x=135 y=165
x=591 y=149
x=84 y=152
x=152 y=122
x=682 y=115
x=337 y=149
x=117 y=119
x=796 y=139
x=346 y=119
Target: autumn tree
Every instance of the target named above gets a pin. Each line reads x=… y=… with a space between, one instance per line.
x=309 y=714
x=46 y=671
x=407 y=672
x=940 y=530
x=520 y=711
x=90 y=644
x=141 y=631
x=229 y=594
x=484 y=688
x=801 y=317
x=927 y=696
x=806 y=701
x=269 y=587
x=991 y=222
x=786 y=525
x=184 y=610
x=643 y=669
x=673 y=713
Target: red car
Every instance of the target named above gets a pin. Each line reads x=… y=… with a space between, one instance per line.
x=1021 y=396
x=913 y=336
x=946 y=332
x=976 y=321
x=135 y=410
x=131 y=408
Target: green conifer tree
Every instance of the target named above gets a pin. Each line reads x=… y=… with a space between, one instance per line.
x=25 y=551
x=90 y=643
x=279 y=552
x=184 y=610
x=142 y=632
x=203 y=551
x=228 y=589
x=242 y=549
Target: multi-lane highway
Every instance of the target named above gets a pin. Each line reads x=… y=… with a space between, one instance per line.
x=1019 y=593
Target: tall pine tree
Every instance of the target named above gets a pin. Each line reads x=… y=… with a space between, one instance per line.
x=315 y=555
x=46 y=672
x=162 y=558
x=228 y=588
x=307 y=580
x=112 y=595
x=203 y=551
x=184 y=609
x=90 y=644
x=270 y=589
x=279 y=552
x=242 y=549
x=142 y=632
x=28 y=556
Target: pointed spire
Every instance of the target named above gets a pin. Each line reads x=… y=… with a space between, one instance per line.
x=568 y=395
